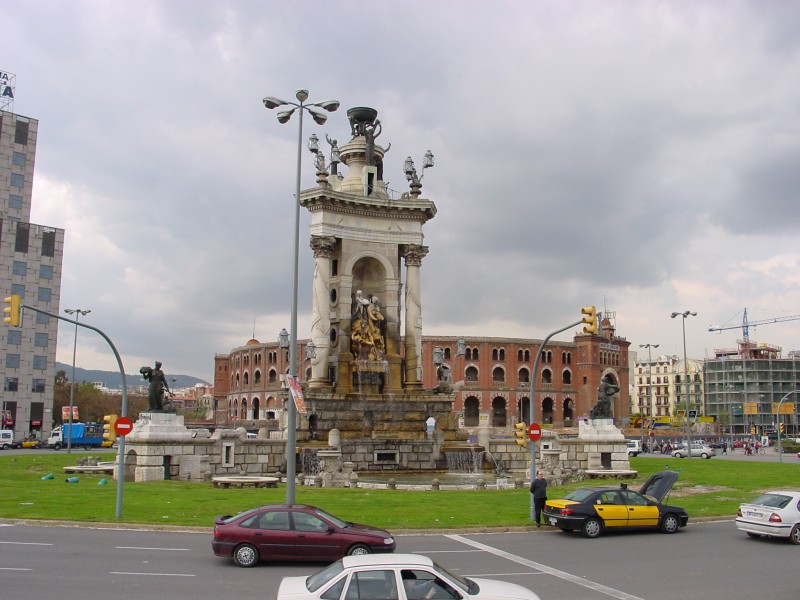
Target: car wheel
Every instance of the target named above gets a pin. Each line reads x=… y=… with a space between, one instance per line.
x=704 y=455
x=752 y=535
x=794 y=535
x=678 y=455
x=670 y=523
x=245 y=555
x=358 y=550
x=6 y=446
x=57 y=446
x=87 y=446
x=591 y=528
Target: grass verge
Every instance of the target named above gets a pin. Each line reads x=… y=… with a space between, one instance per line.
x=705 y=488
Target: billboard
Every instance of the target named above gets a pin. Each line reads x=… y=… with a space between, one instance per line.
x=8 y=82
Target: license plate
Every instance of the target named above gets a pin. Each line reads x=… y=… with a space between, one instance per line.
x=754 y=515
x=552 y=522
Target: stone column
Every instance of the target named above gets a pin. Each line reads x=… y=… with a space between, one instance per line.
x=322 y=246
x=413 y=255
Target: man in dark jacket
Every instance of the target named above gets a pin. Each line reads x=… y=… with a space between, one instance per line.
x=539 y=491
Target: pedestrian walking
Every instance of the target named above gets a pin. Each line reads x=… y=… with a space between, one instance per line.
x=539 y=491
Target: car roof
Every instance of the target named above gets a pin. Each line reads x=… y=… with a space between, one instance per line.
x=411 y=560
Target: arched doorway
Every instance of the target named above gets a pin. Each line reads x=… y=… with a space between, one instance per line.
x=499 y=412
x=547 y=411
x=472 y=412
x=524 y=409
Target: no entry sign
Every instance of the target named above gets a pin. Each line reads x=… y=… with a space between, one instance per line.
x=123 y=426
x=535 y=432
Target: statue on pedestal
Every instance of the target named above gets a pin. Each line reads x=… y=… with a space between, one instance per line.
x=605 y=392
x=158 y=387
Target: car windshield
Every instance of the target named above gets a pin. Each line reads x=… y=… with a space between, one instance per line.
x=579 y=495
x=335 y=520
x=772 y=500
x=466 y=585
x=317 y=580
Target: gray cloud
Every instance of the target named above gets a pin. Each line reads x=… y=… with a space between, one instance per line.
x=639 y=157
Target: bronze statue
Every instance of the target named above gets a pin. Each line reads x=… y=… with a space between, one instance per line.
x=605 y=392
x=158 y=386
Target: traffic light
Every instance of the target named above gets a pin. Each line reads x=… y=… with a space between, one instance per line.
x=109 y=435
x=782 y=427
x=521 y=434
x=13 y=311
x=590 y=318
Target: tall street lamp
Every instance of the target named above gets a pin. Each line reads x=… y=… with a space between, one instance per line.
x=684 y=314
x=319 y=117
x=778 y=417
x=649 y=384
x=77 y=312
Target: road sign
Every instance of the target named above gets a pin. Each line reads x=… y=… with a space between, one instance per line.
x=534 y=432
x=123 y=426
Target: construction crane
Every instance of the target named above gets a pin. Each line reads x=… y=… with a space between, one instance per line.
x=746 y=324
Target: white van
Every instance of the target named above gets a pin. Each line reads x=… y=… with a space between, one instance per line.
x=6 y=438
x=634 y=447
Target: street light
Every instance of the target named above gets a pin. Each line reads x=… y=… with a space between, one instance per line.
x=77 y=312
x=319 y=117
x=685 y=314
x=649 y=384
x=780 y=449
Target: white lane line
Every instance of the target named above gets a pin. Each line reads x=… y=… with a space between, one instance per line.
x=152 y=574
x=27 y=543
x=550 y=570
x=145 y=548
x=14 y=569
x=447 y=552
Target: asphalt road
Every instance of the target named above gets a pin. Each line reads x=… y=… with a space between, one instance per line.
x=702 y=561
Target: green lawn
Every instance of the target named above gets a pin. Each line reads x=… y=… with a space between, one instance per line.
x=705 y=488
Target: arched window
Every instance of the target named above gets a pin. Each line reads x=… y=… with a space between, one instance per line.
x=502 y=353
x=495 y=355
x=244 y=409
x=547 y=376
x=246 y=378
x=471 y=373
x=566 y=377
x=257 y=376
x=256 y=406
x=498 y=375
x=447 y=353
x=520 y=355
x=273 y=376
x=568 y=409
x=524 y=375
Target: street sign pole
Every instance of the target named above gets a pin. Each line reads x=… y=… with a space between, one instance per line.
x=532 y=403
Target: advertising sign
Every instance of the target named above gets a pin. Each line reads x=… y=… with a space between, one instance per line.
x=297 y=394
x=8 y=82
x=65 y=413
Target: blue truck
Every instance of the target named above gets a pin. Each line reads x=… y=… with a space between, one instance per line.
x=86 y=435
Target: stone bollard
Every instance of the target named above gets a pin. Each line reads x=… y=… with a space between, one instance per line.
x=435 y=485
x=481 y=484
x=353 y=480
x=391 y=484
x=518 y=484
x=318 y=481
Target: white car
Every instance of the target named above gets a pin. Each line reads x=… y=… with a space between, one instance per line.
x=698 y=450
x=773 y=514
x=396 y=577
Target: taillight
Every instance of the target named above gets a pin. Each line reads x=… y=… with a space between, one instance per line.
x=739 y=513
x=566 y=511
x=774 y=518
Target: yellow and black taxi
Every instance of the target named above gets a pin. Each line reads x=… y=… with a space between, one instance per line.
x=592 y=510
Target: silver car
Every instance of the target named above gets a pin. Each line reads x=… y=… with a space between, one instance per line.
x=699 y=450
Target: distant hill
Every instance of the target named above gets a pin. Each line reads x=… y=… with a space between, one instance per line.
x=111 y=379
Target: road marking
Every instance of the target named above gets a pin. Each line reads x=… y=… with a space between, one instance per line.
x=152 y=574
x=14 y=569
x=28 y=543
x=145 y=548
x=550 y=570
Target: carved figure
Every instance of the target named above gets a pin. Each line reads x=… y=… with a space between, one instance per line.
x=367 y=338
x=335 y=155
x=605 y=392
x=158 y=386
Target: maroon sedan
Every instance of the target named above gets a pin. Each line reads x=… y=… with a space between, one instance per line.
x=296 y=532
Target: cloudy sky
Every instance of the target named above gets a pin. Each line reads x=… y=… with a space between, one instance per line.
x=640 y=156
